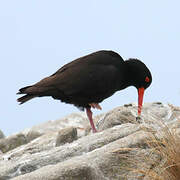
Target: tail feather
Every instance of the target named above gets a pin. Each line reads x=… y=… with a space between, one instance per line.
x=23 y=90
x=25 y=98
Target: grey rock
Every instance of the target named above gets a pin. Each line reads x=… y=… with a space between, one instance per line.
x=154 y=115
x=71 y=170
x=11 y=142
x=2 y=135
x=5 y=177
x=66 y=135
x=99 y=164
x=77 y=120
x=116 y=117
x=31 y=135
x=45 y=155
x=51 y=155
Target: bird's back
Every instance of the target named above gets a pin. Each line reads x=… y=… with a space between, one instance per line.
x=90 y=78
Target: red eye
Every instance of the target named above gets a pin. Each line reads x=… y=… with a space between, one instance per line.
x=147 y=79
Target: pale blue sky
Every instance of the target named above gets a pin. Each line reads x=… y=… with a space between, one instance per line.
x=37 y=37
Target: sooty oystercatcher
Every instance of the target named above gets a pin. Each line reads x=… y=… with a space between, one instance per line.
x=90 y=79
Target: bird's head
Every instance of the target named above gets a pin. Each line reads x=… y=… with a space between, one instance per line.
x=140 y=77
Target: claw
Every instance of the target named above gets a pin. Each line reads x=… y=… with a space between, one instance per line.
x=92 y=105
x=95 y=106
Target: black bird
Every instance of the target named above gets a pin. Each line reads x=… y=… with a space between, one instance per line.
x=90 y=79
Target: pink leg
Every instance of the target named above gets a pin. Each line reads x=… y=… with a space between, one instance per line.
x=89 y=115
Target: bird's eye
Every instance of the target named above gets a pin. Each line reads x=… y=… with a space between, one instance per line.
x=147 y=79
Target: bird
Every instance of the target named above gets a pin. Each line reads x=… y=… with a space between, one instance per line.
x=87 y=81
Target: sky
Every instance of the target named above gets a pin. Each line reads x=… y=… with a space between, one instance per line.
x=37 y=37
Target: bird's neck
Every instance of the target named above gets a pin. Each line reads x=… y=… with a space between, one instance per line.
x=129 y=74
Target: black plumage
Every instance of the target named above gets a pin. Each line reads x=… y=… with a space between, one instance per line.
x=90 y=79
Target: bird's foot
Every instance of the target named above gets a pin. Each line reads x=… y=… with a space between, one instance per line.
x=94 y=130
x=138 y=119
x=95 y=106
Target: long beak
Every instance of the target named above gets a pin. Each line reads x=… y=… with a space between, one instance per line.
x=140 y=99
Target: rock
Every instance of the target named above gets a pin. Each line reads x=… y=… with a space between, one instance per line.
x=11 y=142
x=77 y=120
x=66 y=135
x=154 y=115
x=102 y=163
x=54 y=150
x=52 y=155
x=116 y=117
x=4 y=177
x=31 y=135
x=2 y=135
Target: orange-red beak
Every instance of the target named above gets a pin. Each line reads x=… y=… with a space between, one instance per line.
x=140 y=99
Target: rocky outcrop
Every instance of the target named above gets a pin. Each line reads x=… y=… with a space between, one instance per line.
x=66 y=135
x=66 y=149
x=1 y=134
